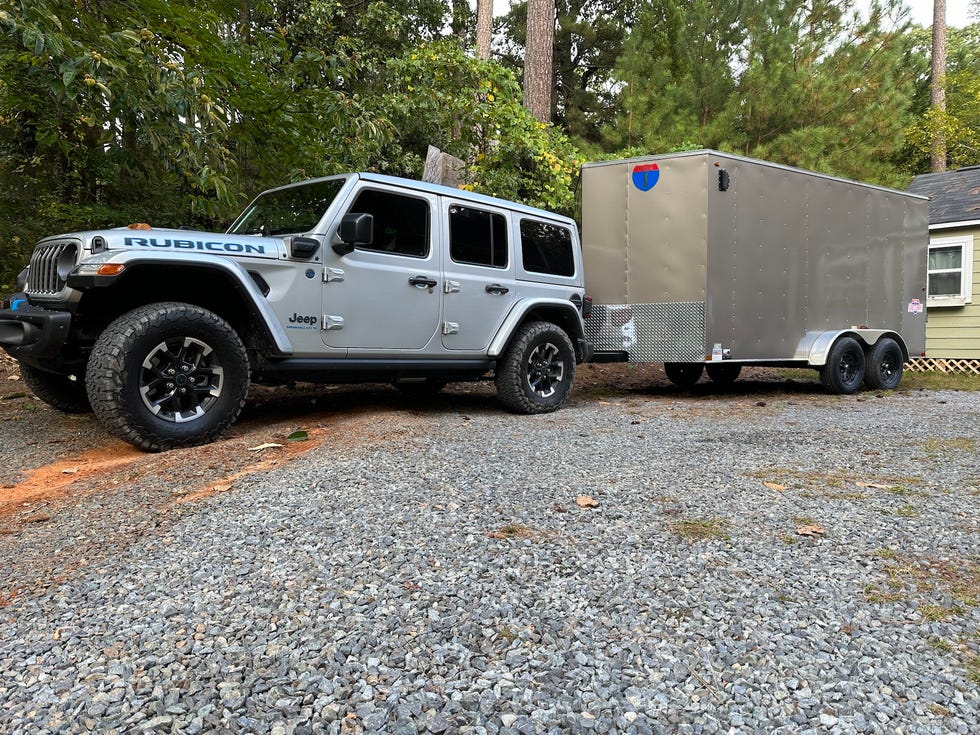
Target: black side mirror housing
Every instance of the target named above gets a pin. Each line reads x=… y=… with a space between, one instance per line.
x=355 y=229
x=304 y=247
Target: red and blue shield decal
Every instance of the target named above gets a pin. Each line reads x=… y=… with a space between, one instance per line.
x=645 y=176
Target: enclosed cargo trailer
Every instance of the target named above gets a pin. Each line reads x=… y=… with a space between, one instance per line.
x=709 y=259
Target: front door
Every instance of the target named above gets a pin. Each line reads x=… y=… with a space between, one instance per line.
x=479 y=274
x=385 y=295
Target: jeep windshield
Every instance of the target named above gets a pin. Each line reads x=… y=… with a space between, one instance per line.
x=289 y=211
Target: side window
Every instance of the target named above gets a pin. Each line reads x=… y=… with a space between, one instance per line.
x=547 y=248
x=477 y=237
x=401 y=223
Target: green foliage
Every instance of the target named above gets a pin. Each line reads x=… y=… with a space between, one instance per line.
x=439 y=95
x=589 y=39
x=960 y=123
x=802 y=83
x=169 y=112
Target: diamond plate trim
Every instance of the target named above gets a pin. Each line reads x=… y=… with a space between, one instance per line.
x=666 y=332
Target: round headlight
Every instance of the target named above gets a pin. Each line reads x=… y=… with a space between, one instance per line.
x=66 y=261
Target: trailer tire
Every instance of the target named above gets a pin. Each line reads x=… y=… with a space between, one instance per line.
x=884 y=364
x=723 y=373
x=843 y=372
x=131 y=364
x=536 y=372
x=683 y=374
x=58 y=391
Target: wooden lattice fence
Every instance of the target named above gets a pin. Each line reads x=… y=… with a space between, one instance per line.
x=943 y=365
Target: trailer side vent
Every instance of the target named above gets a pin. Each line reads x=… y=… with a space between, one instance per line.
x=722 y=180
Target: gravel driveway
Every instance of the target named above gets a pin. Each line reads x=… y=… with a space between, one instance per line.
x=764 y=560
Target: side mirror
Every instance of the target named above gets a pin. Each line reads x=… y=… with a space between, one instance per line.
x=304 y=247
x=355 y=229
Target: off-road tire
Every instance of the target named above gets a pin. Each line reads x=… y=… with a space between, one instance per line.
x=843 y=372
x=683 y=374
x=723 y=373
x=133 y=359
x=58 y=391
x=885 y=362
x=536 y=372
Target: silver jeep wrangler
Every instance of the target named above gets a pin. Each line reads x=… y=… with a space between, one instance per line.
x=355 y=278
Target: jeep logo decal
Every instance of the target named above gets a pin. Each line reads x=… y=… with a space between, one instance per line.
x=302 y=319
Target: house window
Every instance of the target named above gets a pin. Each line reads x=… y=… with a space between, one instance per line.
x=950 y=271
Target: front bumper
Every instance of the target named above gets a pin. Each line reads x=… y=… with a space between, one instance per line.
x=29 y=332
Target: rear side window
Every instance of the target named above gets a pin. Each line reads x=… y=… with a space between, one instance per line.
x=401 y=223
x=547 y=248
x=477 y=237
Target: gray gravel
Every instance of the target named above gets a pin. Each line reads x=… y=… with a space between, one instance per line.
x=446 y=581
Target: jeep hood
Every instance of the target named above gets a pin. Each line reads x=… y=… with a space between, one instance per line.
x=178 y=241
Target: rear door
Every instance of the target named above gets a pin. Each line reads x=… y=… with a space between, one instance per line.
x=478 y=268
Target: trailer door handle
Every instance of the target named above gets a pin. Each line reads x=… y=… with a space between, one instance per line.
x=422 y=282
x=496 y=288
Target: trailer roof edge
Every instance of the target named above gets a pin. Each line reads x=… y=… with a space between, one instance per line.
x=735 y=157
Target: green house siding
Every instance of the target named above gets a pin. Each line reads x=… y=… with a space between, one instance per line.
x=953 y=332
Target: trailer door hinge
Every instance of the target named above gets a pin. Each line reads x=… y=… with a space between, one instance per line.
x=450 y=328
x=332 y=322
x=450 y=287
x=331 y=275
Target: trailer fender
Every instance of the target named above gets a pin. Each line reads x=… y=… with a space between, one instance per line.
x=816 y=346
x=563 y=313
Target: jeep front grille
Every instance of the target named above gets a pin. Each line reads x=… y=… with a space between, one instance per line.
x=50 y=265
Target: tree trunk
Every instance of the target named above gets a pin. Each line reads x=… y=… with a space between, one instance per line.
x=484 y=26
x=539 y=70
x=938 y=89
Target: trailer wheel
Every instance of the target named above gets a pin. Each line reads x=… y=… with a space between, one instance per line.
x=723 y=373
x=58 y=391
x=683 y=374
x=168 y=375
x=535 y=374
x=885 y=363
x=844 y=370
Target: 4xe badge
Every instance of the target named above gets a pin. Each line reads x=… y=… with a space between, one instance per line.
x=645 y=176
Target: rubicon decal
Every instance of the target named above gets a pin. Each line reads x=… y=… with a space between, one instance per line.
x=646 y=176
x=208 y=245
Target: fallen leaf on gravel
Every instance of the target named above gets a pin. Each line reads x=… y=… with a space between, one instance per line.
x=266 y=445
x=874 y=485
x=69 y=471
x=584 y=501
x=298 y=436
x=775 y=486
x=811 y=530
